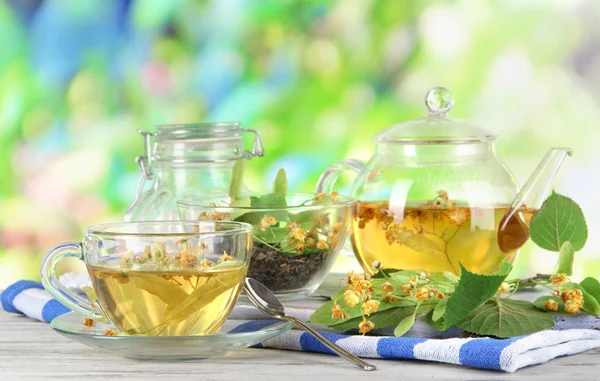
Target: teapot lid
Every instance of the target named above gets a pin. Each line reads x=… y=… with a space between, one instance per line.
x=435 y=127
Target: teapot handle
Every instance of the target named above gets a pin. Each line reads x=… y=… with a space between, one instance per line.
x=329 y=177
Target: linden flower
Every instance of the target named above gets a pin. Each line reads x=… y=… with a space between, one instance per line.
x=551 y=305
x=365 y=326
x=159 y=250
x=387 y=287
x=298 y=234
x=351 y=298
x=353 y=278
x=322 y=219
x=334 y=196
x=205 y=263
x=558 y=279
x=370 y=307
x=127 y=259
x=267 y=222
x=418 y=215
x=423 y=293
x=146 y=254
x=457 y=216
x=504 y=287
x=110 y=332
x=89 y=322
x=572 y=307
x=574 y=295
x=390 y=298
x=406 y=288
x=322 y=245
x=376 y=266
x=319 y=196
x=337 y=312
x=443 y=194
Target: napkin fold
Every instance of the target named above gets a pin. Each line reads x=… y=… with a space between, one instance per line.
x=29 y=298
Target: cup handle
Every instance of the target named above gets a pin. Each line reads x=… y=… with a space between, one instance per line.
x=58 y=290
x=329 y=177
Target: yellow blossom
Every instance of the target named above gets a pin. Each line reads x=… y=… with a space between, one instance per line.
x=127 y=259
x=319 y=196
x=298 y=234
x=558 y=279
x=266 y=222
x=365 y=326
x=110 y=332
x=310 y=242
x=298 y=245
x=337 y=312
x=504 y=287
x=423 y=293
x=322 y=245
x=390 y=298
x=551 y=305
x=351 y=298
x=443 y=194
x=572 y=307
x=370 y=307
x=387 y=287
x=89 y=322
x=205 y=263
x=406 y=288
x=376 y=266
x=334 y=196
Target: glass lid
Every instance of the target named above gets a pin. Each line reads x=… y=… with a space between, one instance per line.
x=435 y=127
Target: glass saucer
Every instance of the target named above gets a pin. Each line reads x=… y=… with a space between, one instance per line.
x=235 y=334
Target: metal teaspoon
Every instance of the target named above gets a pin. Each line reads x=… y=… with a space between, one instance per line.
x=267 y=302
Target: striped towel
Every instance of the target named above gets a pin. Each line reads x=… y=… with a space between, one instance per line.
x=29 y=298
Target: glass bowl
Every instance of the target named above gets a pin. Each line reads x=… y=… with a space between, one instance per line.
x=296 y=238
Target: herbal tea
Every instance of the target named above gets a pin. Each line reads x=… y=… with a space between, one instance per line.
x=436 y=236
x=191 y=301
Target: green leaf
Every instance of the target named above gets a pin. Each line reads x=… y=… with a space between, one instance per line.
x=439 y=310
x=565 y=259
x=269 y=200
x=506 y=318
x=559 y=220
x=592 y=287
x=471 y=292
x=271 y=235
x=237 y=177
x=405 y=324
x=280 y=185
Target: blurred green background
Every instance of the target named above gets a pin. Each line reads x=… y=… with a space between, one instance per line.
x=316 y=78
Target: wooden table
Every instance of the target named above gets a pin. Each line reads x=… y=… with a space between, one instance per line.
x=31 y=350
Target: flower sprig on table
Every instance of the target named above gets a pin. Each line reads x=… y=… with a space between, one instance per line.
x=477 y=303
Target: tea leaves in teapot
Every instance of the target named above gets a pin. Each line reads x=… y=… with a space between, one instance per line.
x=559 y=219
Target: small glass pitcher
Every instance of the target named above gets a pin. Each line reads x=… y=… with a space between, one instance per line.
x=187 y=160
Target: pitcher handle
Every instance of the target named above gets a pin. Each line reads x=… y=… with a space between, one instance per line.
x=61 y=293
x=329 y=177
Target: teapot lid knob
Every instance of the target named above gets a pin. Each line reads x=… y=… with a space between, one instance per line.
x=439 y=100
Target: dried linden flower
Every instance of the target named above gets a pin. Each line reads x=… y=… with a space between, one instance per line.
x=365 y=326
x=267 y=222
x=322 y=245
x=89 y=322
x=337 y=312
x=310 y=242
x=110 y=332
x=387 y=287
x=551 y=305
x=351 y=298
x=370 y=307
x=423 y=293
x=443 y=194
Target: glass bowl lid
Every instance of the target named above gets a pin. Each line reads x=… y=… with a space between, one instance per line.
x=435 y=127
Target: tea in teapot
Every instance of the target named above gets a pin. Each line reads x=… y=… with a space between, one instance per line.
x=435 y=196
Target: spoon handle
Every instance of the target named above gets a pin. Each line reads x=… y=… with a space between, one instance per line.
x=331 y=345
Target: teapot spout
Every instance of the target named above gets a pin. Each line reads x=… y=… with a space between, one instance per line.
x=513 y=232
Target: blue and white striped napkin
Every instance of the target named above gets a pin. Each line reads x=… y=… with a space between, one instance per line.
x=508 y=355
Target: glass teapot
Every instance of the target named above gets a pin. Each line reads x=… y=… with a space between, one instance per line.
x=435 y=194
x=187 y=160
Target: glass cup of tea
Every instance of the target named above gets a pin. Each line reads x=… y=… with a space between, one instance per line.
x=163 y=278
